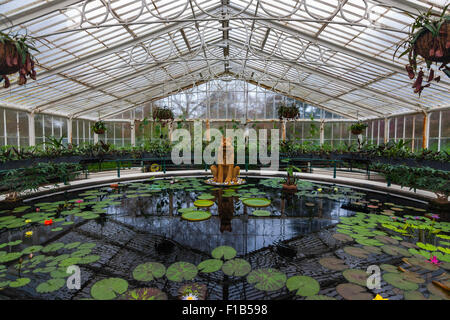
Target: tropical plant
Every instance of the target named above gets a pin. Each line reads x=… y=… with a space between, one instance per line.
x=429 y=38
x=15 y=56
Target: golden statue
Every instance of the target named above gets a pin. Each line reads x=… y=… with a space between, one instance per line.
x=225 y=171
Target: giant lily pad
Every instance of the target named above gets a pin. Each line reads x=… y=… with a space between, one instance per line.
x=180 y=271
x=261 y=213
x=320 y=297
x=333 y=264
x=108 y=289
x=398 y=281
x=144 y=294
x=203 y=203
x=224 y=252
x=356 y=276
x=196 y=215
x=149 y=271
x=53 y=247
x=267 y=279
x=236 y=267
x=305 y=286
x=256 y=202
x=350 y=291
x=210 y=265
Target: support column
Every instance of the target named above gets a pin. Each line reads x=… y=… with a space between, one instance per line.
x=322 y=132
x=413 y=136
x=283 y=130
x=208 y=128
x=95 y=138
x=133 y=133
x=69 y=131
x=31 y=130
x=386 y=130
x=170 y=130
x=426 y=129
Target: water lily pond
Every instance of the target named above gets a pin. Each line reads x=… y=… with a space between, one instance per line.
x=180 y=238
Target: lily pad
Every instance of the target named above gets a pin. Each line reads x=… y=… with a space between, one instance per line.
x=224 y=252
x=144 y=294
x=398 y=281
x=351 y=291
x=417 y=295
x=53 y=247
x=305 y=286
x=261 y=213
x=333 y=264
x=180 y=271
x=50 y=285
x=420 y=262
x=256 y=202
x=396 y=251
x=356 y=276
x=149 y=271
x=356 y=252
x=20 y=282
x=389 y=268
x=210 y=265
x=236 y=267
x=437 y=291
x=203 y=203
x=267 y=279
x=108 y=289
x=342 y=237
x=32 y=249
x=196 y=215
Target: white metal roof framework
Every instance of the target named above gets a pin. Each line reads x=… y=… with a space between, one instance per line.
x=99 y=57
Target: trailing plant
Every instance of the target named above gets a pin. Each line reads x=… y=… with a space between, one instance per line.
x=428 y=37
x=15 y=56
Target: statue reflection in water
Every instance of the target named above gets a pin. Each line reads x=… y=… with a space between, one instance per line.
x=225 y=207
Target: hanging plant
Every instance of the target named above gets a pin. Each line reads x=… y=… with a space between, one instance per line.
x=285 y=112
x=15 y=57
x=160 y=114
x=358 y=127
x=99 y=127
x=430 y=38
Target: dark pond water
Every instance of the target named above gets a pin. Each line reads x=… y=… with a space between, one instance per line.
x=153 y=207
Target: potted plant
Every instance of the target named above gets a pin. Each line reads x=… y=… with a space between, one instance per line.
x=358 y=127
x=428 y=37
x=285 y=112
x=163 y=113
x=99 y=127
x=15 y=57
x=290 y=184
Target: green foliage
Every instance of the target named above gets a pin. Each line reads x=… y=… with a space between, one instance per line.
x=99 y=127
x=358 y=127
x=417 y=177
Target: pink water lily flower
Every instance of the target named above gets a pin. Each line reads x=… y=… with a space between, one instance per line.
x=79 y=201
x=435 y=261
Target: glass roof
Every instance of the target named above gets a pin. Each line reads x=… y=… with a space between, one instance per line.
x=101 y=56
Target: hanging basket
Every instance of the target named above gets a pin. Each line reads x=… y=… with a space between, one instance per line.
x=435 y=49
x=357 y=131
x=8 y=59
x=99 y=131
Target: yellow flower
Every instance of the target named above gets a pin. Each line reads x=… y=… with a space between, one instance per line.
x=378 y=297
x=335 y=189
x=320 y=189
x=29 y=233
x=190 y=297
x=28 y=220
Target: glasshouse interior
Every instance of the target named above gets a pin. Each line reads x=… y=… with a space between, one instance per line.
x=224 y=150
